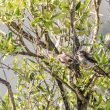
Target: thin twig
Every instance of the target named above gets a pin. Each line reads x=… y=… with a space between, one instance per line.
x=91 y=84
x=22 y=32
x=3 y=70
x=30 y=54
x=91 y=81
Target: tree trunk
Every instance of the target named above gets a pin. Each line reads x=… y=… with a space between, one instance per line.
x=81 y=105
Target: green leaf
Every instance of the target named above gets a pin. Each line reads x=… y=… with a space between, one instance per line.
x=97 y=57
x=48 y=23
x=86 y=2
x=24 y=2
x=17 y=11
x=107 y=105
x=78 y=5
x=31 y=76
x=100 y=99
x=56 y=15
x=56 y=30
x=36 y=20
x=17 y=48
x=56 y=2
x=41 y=88
x=9 y=35
x=4 y=105
x=4 y=56
x=103 y=59
x=10 y=5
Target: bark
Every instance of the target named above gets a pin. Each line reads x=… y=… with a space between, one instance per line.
x=81 y=105
x=66 y=104
x=7 y=84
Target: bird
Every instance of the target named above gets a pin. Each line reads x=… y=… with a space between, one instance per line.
x=64 y=58
x=85 y=58
x=88 y=60
x=69 y=62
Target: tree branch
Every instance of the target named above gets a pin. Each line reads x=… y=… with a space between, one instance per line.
x=62 y=91
x=7 y=84
x=50 y=44
x=97 y=22
x=74 y=88
x=76 y=43
x=30 y=54
x=91 y=81
x=97 y=5
x=21 y=31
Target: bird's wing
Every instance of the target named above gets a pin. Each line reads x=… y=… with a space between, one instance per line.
x=90 y=58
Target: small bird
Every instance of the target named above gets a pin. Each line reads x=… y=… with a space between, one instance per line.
x=64 y=58
x=88 y=60
x=69 y=62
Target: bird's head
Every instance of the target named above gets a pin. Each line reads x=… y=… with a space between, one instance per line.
x=81 y=53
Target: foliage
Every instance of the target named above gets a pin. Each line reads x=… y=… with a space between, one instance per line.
x=39 y=30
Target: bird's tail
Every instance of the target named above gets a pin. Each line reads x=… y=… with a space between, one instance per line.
x=100 y=71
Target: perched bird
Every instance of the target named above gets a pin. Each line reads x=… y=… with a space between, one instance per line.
x=87 y=60
x=64 y=58
x=69 y=62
